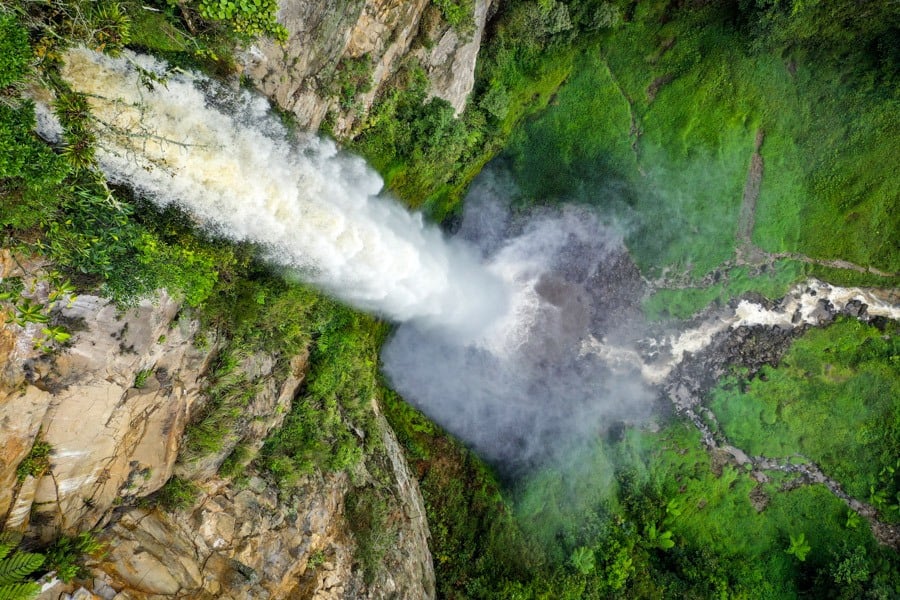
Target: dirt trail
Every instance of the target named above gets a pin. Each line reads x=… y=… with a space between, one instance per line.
x=836 y=263
x=751 y=195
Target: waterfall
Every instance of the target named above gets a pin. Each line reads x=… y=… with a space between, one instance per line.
x=223 y=157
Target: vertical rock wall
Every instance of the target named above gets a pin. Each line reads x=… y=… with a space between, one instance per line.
x=299 y=76
x=113 y=404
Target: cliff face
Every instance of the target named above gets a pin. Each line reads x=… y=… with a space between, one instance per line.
x=112 y=405
x=113 y=436
x=342 y=54
x=250 y=542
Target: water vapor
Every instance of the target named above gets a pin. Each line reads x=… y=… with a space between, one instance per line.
x=527 y=393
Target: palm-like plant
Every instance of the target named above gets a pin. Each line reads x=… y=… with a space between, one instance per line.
x=799 y=546
x=28 y=311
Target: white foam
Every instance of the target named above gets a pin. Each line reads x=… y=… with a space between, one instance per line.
x=311 y=208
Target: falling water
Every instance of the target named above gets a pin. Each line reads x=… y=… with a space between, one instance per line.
x=221 y=155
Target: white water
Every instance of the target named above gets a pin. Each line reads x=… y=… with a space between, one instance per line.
x=312 y=209
x=799 y=306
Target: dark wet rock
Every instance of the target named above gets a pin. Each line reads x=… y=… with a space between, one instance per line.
x=856 y=309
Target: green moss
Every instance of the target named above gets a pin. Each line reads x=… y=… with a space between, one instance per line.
x=656 y=127
x=176 y=494
x=833 y=400
x=682 y=303
x=155 y=30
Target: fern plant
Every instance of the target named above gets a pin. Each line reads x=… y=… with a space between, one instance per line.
x=15 y=567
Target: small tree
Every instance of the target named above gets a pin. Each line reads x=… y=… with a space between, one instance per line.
x=583 y=560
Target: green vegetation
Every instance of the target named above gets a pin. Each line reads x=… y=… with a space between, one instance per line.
x=682 y=303
x=647 y=130
x=66 y=555
x=653 y=111
x=656 y=124
x=140 y=379
x=427 y=156
x=353 y=76
x=460 y=14
x=475 y=539
x=649 y=515
x=176 y=494
x=832 y=400
x=18 y=306
x=36 y=463
x=59 y=206
x=331 y=424
x=367 y=514
x=248 y=19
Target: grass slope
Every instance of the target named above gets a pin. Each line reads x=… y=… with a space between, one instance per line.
x=657 y=125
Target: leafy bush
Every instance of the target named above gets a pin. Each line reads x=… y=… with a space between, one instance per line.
x=177 y=494
x=15 y=53
x=460 y=14
x=30 y=173
x=319 y=433
x=36 y=463
x=352 y=77
x=66 y=555
x=247 y=18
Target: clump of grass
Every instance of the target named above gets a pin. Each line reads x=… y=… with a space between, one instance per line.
x=141 y=377
x=37 y=462
x=177 y=494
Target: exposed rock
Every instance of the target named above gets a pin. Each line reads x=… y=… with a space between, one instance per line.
x=449 y=57
x=108 y=439
x=319 y=32
x=300 y=75
x=249 y=543
x=113 y=405
x=408 y=571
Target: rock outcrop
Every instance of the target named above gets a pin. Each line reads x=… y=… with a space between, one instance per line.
x=254 y=541
x=307 y=75
x=112 y=405
x=449 y=56
x=235 y=543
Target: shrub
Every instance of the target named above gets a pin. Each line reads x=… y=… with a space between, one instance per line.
x=15 y=53
x=15 y=567
x=247 y=18
x=460 y=14
x=66 y=555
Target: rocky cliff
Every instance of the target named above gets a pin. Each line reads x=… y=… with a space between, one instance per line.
x=340 y=55
x=109 y=408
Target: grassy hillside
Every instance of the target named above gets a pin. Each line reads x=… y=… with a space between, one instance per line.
x=658 y=125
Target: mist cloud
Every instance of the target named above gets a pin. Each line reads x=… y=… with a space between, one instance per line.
x=526 y=392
